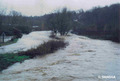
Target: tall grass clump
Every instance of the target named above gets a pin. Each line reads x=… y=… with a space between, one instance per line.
x=45 y=48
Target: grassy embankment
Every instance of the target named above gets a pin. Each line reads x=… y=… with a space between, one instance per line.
x=9 y=42
x=7 y=60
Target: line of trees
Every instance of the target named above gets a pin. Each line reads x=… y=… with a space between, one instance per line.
x=14 y=20
x=98 y=22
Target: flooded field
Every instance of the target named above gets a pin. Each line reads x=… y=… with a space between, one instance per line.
x=6 y=38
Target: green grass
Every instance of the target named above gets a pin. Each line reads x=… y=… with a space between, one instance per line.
x=9 y=42
x=7 y=60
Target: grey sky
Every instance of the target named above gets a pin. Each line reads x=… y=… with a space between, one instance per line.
x=40 y=7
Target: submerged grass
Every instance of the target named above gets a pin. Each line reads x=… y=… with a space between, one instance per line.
x=7 y=60
x=9 y=42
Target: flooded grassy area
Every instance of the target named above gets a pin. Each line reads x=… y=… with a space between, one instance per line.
x=7 y=60
x=9 y=42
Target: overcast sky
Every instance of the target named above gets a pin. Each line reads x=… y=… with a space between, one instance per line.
x=40 y=7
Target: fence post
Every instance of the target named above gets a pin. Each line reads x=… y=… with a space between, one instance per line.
x=3 y=37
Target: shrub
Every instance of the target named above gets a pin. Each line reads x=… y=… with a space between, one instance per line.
x=8 y=59
x=45 y=48
x=24 y=29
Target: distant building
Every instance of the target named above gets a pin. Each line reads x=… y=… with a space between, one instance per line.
x=36 y=28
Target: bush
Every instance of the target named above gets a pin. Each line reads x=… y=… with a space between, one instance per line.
x=8 y=59
x=47 y=47
x=24 y=29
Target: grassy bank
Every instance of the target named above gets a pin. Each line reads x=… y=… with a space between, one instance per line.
x=9 y=42
x=7 y=60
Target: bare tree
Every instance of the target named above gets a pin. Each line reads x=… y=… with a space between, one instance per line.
x=15 y=17
x=61 y=22
x=2 y=13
